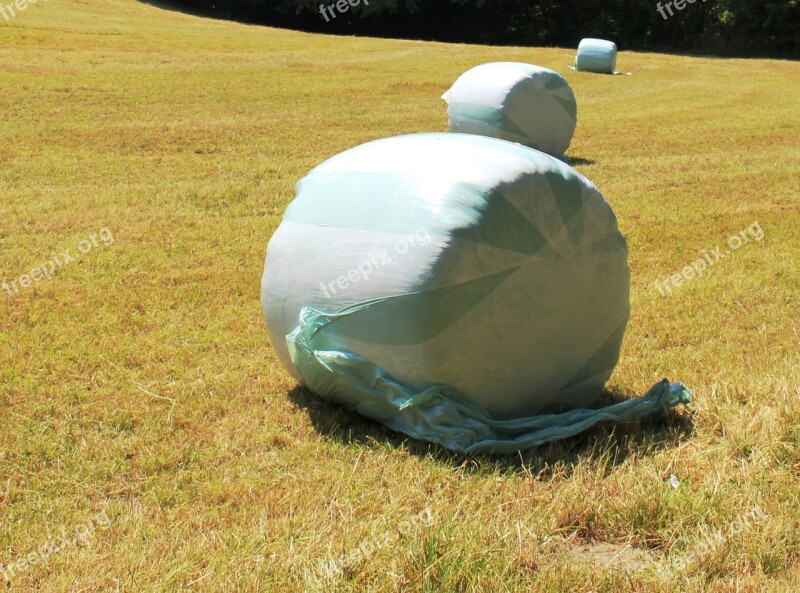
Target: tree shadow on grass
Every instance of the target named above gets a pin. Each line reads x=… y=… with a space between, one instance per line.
x=188 y=10
x=607 y=445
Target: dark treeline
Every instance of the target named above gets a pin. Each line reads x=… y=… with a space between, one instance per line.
x=722 y=27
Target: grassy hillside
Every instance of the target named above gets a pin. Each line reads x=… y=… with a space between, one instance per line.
x=143 y=412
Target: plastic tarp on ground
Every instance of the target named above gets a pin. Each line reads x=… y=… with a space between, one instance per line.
x=596 y=55
x=517 y=102
x=454 y=287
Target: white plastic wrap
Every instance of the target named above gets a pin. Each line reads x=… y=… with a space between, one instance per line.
x=518 y=102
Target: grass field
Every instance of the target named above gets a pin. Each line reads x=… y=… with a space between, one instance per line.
x=142 y=408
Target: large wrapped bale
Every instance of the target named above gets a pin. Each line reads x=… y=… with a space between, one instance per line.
x=448 y=285
x=517 y=102
x=596 y=55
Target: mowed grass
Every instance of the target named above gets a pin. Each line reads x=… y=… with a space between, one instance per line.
x=139 y=381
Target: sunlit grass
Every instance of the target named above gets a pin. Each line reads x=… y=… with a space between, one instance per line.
x=139 y=380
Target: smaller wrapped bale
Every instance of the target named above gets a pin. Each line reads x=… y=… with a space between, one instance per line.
x=596 y=55
x=518 y=102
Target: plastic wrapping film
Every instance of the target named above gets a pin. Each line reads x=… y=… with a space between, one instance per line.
x=512 y=101
x=460 y=289
x=596 y=55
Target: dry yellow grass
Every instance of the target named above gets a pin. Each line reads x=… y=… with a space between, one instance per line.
x=139 y=382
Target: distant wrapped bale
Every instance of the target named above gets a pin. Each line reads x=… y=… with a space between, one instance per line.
x=522 y=103
x=596 y=55
x=413 y=272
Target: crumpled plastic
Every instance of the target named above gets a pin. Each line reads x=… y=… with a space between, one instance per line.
x=440 y=414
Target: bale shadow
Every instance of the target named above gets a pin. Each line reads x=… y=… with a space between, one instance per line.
x=574 y=161
x=607 y=445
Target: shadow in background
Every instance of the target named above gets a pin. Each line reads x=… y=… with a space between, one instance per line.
x=185 y=9
x=611 y=444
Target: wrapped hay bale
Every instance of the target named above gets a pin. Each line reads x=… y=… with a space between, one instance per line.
x=596 y=55
x=517 y=102
x=448 y=285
